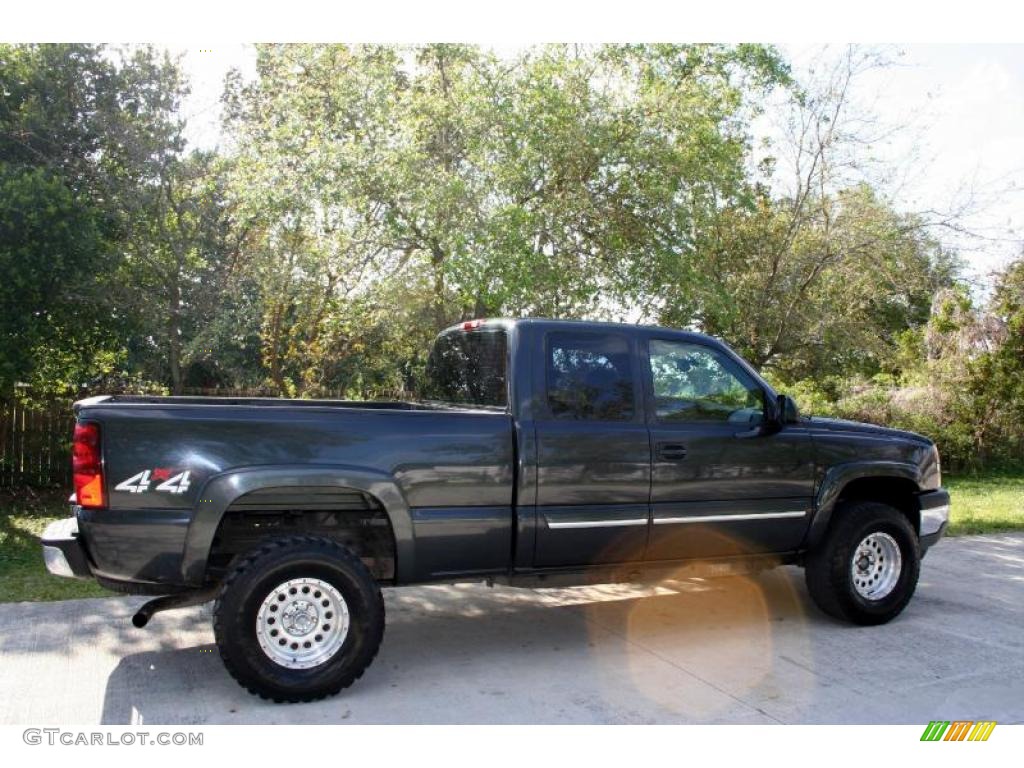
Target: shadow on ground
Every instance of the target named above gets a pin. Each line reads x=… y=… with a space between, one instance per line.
x=472 y=654
x=741 y=650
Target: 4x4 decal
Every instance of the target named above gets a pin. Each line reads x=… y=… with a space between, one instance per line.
x=172 y=482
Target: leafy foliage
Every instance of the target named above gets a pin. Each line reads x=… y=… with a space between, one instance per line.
x=824 y=294
x=372 y=195
x=957 y=380
x=51 y=244
x=545 y=185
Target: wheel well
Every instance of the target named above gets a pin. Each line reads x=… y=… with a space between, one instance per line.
x=899 y=492
x=353 y=518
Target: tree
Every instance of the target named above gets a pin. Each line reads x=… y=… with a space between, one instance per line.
x=554 y=182
x=828 y=299
x=81 y=132
x=304 y=132
x=51 y=245
x=609 y=159
x=996 y=385
x=824 y=277
x=179 y=263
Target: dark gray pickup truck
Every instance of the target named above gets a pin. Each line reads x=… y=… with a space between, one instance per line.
x=542 y=452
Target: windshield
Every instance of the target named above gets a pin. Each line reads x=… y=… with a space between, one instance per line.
x=468 y=368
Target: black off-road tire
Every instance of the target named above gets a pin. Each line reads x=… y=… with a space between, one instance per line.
x=255 y=576
x=828 y=566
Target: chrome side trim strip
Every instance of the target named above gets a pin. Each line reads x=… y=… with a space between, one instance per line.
x=596 y=523
x=728 y=518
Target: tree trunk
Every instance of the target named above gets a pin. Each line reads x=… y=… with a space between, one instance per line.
x=440 y=311
x=174 y=337
x=274 y=351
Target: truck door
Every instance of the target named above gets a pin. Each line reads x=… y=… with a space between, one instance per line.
x=593 y=450
x=720 y=485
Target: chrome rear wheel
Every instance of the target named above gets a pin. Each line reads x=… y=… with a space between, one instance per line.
x=298 y=618
x=302 y=623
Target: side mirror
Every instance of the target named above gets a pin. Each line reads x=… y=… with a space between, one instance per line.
x=786 y=410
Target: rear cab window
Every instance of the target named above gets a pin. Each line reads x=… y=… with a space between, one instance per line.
x=469 y=367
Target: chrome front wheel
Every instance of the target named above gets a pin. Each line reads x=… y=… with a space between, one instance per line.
x=866 y=567
x=876 y=566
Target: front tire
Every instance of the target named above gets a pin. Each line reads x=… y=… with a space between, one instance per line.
x=866 y=569
x=298 y=619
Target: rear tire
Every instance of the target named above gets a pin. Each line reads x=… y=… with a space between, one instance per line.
x=298 y=619
x=865 y=570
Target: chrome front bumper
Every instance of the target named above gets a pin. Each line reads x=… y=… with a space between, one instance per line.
x=934 y=507
x=63 y=552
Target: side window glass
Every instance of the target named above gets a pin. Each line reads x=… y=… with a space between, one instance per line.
x=589 y=376
x=694 y=383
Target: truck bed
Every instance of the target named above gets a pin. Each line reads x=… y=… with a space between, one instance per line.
x=276 y=402
x=168 y=460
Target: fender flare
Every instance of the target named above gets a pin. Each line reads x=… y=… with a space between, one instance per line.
x=220 y=491
x=839 y=476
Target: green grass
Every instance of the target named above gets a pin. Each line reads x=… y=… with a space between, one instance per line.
x=24 y=514
x=986 y=503
x=980 y=504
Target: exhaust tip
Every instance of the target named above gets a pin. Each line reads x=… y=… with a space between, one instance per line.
x=167 y=602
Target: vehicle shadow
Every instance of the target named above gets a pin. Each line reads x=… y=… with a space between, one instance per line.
x=467 y=653
x=85 y=623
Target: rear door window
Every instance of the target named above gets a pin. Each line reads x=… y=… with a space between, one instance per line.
x=589 y=376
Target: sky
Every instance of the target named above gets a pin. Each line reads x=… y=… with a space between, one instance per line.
x=960 y=140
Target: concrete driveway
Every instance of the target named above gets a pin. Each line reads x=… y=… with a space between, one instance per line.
x=732 y=650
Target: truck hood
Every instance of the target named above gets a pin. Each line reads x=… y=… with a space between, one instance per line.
x=842 y=425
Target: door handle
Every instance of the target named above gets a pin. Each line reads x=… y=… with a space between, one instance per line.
x=671 y=451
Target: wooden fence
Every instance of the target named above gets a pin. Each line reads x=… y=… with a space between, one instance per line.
x=35 y=444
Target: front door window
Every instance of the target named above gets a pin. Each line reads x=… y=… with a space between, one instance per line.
x=694 y=383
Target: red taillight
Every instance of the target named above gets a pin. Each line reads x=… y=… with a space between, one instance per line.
x=87 y=467
x=472 y=325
